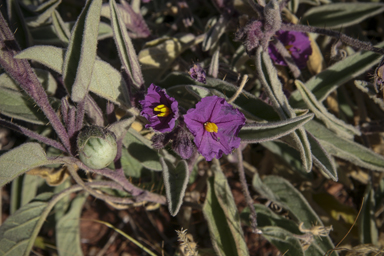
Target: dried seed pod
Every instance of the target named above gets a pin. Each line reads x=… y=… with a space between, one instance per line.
x=97 y=146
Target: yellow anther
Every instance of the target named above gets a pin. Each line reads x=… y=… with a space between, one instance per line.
x=210 y=127
x=288 y=47
x=164 y=110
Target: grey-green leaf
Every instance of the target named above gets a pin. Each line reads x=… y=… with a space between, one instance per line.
x=141 y=149
x=21 y=159
x=213 y=35
x=45 y=11
x=336 y=15
x=81 y=52
x=283 y=240
x=369 y=89
x=328 y=80
x=125 y=47
x=106 y=81
x=261 y=132
x=68 y=229
x=368 y=231
x=19 y=231
x=284 y=194
x=175 y=182
x=62 y=30
x=222 y=216
x=330 y=121
x=345 y=149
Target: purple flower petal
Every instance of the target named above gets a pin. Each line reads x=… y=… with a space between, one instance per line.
x=297 y=44
x=157 y=98
x=197 y=73
x=217 y=112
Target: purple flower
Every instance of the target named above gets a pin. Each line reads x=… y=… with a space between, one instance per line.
x=159 y=109
x=215 y=125
x=197 y=73
x=297 y=44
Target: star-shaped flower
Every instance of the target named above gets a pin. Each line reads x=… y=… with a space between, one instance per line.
x=215 y=125
x=160 y=109
x=297 y=44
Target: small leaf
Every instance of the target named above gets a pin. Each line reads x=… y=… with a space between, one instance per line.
x=261 y=132
x=62 y=30
x=214 y=67
x=120 y=128
x=175 y=182
x=21 y=159
x=336 y=15
x=213 y=35
x=29 y=188
x=68 y=229
x=131 y=166
x=342 y=71
x=46 y=9
x=125 y=48
x=368 y=231
x=222 y=216
x=81 y=52
x=331 y=122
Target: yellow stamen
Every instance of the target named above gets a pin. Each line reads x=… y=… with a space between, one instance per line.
x=164 y=110
x=288 y=47
x=210 y=127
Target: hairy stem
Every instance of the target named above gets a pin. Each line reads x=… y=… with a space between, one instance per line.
x=287 y=57
x=32 y=134
x=343 y=38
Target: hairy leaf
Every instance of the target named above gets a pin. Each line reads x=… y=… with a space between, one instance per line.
x=322 y=84
x=21 y=159
x=261 y=132
x=283 y=240
x=213 y=35
x=68 y=229
x=175 y=182
x=81 y=52
x=368 y=231
x=220 y=211
x=44 y=11
x=336 y=15
x=125 y=47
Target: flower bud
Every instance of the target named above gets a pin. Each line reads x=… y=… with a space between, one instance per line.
x=97 y=146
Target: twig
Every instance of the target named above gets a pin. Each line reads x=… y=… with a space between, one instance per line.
x=242 y=84
x=246 y=193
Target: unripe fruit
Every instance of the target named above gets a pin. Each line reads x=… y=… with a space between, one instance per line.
x=97 y=146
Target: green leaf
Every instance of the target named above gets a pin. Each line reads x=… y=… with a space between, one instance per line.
x=141 y=149
x=81 y=52
x=336 y=15
x=61 y=29
x=261 y=132
x=125 y=47
x=368 y=231
x=222 y=216
x=328 y=80
x=213 y=35
x=68 y=229
x=158 y=55
x=175 y=181
x=120 y=128
x=19 y=230
x=46 y=9
x=21 y=159
x=131 y=166
x=331 y=122
x=267 y=75
x=284 y=194
x=106 y=81
x=50 y=56
x=283 y=240
x=29 y=188
x=345 y=149
x=322 y=159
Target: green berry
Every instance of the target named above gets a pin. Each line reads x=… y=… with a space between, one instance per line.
x=97 y=146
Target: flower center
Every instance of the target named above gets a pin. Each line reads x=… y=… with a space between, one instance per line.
x=210 y=127
x=288 y=47
x=164 y=110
